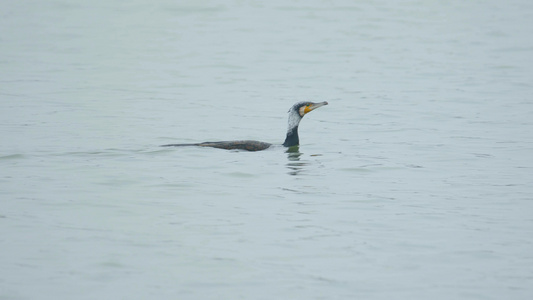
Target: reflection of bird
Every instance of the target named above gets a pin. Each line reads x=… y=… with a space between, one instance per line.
x=296 y=114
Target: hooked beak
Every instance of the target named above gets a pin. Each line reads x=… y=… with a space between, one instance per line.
x=314 y=106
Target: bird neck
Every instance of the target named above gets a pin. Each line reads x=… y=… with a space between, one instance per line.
x=292 y=137
x=292 y=131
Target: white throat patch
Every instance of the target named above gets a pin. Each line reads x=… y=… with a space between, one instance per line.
x=294 y=119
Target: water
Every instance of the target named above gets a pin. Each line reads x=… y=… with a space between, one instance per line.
x=413 y=183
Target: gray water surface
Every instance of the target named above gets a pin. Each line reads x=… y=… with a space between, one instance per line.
x=415 y=182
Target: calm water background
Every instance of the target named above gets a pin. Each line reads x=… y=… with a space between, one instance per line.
x=414 y=183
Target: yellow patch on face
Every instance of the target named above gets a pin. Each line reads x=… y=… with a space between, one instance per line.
x=307 y=109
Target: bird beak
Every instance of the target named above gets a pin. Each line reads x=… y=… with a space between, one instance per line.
x=314 y=106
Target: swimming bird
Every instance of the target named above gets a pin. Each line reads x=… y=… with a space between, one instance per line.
x=296 y=113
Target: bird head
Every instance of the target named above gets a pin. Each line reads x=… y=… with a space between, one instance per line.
x=302 y=108
x=299 y=110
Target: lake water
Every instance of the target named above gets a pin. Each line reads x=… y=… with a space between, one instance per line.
x=415 y=182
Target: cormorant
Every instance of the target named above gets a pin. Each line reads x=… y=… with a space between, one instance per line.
x=296 y=113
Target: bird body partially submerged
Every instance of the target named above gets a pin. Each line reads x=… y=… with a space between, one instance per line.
x=296 y=114
x=231 y=145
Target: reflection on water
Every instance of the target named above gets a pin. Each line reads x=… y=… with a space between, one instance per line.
x=295 y=165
